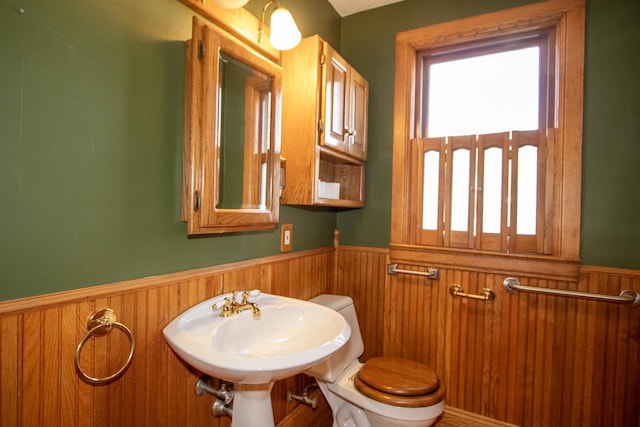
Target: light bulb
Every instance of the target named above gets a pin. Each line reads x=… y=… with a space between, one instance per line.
x=284 y=31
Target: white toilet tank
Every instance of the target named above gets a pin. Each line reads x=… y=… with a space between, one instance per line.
x=330 y=369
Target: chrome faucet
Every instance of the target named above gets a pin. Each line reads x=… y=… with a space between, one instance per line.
x=232 y=307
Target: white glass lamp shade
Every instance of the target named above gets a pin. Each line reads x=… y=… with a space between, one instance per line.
x=231 y=4
x=284 y=31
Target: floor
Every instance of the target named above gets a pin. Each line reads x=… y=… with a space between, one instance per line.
x=452 y=417
x=447 y=420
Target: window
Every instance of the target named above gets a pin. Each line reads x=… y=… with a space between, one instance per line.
x=503 y=194
x=483 y=111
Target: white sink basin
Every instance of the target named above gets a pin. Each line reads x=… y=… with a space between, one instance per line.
x=288 y=337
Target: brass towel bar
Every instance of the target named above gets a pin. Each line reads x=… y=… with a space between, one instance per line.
x=512 y=285
x=487 y=294
x=455 y=290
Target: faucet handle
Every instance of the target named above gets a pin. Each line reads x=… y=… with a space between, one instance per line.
x=225 y=310
x=245 y=297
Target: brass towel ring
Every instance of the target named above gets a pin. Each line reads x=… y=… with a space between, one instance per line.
x=101 y=323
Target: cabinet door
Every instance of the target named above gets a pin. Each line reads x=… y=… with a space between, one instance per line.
x=231 y=135
x=358 y=111
x=336 y=100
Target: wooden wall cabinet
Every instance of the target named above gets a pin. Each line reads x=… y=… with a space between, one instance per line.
x=324 y=127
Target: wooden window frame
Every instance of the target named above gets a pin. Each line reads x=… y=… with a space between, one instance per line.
x=567 y=17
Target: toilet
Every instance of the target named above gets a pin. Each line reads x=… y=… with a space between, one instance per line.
x=384 y=391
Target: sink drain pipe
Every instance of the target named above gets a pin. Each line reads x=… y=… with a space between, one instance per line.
x=220 y=407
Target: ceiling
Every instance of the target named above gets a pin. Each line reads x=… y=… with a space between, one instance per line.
x=349 y=7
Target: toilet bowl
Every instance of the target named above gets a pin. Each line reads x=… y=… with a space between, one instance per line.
x=383 y=392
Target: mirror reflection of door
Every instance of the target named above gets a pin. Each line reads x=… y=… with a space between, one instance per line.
x=245 y=117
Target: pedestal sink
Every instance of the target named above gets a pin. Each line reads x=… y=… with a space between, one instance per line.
x=287 y=337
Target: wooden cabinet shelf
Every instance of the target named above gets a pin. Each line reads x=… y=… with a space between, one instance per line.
x=324 y=127
x=344 y=173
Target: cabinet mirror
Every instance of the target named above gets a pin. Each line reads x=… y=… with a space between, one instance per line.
x=245 y=136
x=232 y=146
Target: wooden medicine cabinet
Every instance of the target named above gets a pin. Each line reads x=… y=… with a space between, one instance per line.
x=324 y=130
x=231 y=163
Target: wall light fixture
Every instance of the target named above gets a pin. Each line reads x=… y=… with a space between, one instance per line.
x=229 y=4
x=284 y=31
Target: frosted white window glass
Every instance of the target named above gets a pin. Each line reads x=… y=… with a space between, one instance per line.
x=527 y=189
x=492 y=190
x=430 y=194
x=460 y=191
x=484 y=94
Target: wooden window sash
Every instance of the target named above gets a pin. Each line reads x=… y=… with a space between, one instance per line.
x=507 y=240
x=459 y=238
x=520 y=243
x=424 y=145
x=485 y=240
x=474 y=238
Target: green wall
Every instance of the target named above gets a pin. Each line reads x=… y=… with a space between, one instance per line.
x=90 y=147
x=91 y=135
x=611 y=159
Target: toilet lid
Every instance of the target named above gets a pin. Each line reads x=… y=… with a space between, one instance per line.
x=400 y=377
x=421 y=401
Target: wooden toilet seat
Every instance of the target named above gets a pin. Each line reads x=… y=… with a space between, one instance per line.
x=399 y=382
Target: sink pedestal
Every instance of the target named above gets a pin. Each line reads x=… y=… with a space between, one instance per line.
x=252 y=405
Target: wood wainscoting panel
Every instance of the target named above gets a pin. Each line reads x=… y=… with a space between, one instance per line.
x=523 y=359
x=453 y=417
x=10 y=369
x=361 y=274
x=39 y=385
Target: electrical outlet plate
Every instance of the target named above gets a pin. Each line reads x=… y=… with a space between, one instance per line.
x=286 y=237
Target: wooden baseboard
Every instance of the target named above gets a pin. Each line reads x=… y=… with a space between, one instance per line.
x=454 y=417
x=321 y=417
